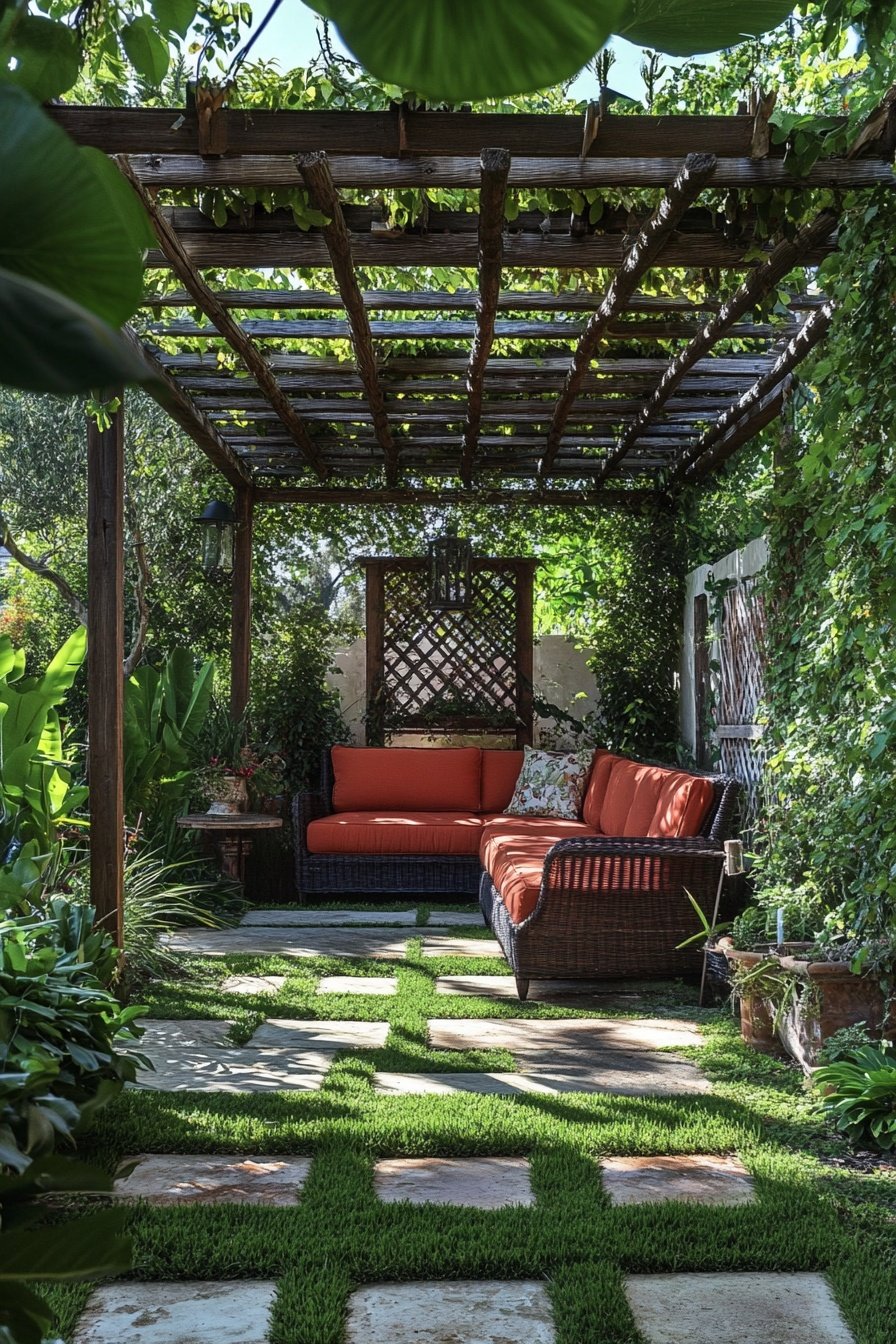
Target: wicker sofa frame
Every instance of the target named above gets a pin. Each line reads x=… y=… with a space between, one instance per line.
x=635 y=914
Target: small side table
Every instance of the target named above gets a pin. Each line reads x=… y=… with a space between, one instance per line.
x=233 y=834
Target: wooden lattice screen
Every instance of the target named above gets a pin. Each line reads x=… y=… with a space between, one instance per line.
x=741 y=653
x=449 y=671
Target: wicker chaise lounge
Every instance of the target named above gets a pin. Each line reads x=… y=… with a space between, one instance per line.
x=602 y=897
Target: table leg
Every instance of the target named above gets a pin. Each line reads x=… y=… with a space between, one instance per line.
x=234 y=850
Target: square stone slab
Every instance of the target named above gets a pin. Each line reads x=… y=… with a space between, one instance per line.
x=566 y=993
x=253 y=984
x=451 y=919
x=309 y=919
x=379 y=944
x=688 y=1179
x=235 y=1312
x=471 y=1182
x=173 y=1178
x=456 y=1312
x=357 y=984
x=525 y=1036
x=287 y=1034
x=753 y=1308
x=443 y=945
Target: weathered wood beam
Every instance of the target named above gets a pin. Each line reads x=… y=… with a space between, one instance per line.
x=183 y=410
x=757 y=285
x=330 y=329
x=813 y=330
x=427 y=300
x=608 y=499
x=105 y=679
x=526 y=251
x=640 y=257
x=369 y=170
x=494 y=165
x=241 y=604
x=318 y=180
x=742 y=432
x=205 y=299
x=548 y=362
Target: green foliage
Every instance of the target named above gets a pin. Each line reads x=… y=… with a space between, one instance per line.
x=860 y=1096
x=293 y=712
x=160 y=896
x=681 y=29
x=59 y=1025
x=33 y=1253
x=165 y=713
x=845 y=1042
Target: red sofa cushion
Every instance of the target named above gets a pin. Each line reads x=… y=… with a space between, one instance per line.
x=597 y=787
x=500 y=771
x=395 y=779
x=618 y=796
x=502 y=831
x=682 y=807
x=394 y=832
x=513 y=851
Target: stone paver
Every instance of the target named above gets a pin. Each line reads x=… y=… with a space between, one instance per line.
x=691 y=1179
x=253 y=984
x=456 y=919
x=294 y=1034
x=751 y=1308
x=527 y=1036
x=455 y=1312
x=574 y=993
x=198 y=1070
x=471 y=1182
x=176 y=1178
x=357 y=984
x=443 y=945
x=309 y=919
x=648 y=1074
x=169 y=1034
x=178 y=1313
x=379 y=944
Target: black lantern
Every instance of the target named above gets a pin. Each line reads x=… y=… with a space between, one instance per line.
x=450 y=579
x=217 y=522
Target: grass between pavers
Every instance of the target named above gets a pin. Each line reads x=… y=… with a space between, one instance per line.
x=339 y=1236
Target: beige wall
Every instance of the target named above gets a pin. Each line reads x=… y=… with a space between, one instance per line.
x=561 y=677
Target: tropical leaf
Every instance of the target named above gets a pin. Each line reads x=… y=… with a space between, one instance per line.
x=682 y=28
x=38 y=54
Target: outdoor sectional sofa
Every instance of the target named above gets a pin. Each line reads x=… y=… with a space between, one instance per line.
x=603 y=897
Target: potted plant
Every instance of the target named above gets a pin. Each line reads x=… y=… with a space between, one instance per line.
x=840 y=983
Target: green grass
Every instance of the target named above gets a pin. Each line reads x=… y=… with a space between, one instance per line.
x=808 y=1216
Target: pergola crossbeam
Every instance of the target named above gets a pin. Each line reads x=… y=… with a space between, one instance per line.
x=640 y=257
x=238 y=341
x=318 y=180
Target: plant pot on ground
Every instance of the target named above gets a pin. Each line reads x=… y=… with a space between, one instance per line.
x=829 y=997
x=756 y=984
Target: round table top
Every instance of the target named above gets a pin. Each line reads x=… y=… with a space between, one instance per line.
x=230 y=821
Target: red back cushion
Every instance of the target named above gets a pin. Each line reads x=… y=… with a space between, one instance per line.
x=649 y=783
x=682 y=806
x=619 y=795
x=500 y=771
x=597 y=787
x=423 y=779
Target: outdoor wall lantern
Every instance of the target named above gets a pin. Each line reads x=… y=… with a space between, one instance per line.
x=217 y=522
x=450 y=573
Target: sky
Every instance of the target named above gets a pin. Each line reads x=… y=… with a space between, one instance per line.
x=290 y=39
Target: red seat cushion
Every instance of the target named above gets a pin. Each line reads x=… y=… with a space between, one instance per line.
x=683 y=804
x=395 y=779
x=513 y=851
x=394 y=832
x=502 y=830
x=500 y=771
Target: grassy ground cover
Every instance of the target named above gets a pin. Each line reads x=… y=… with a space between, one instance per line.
x=810 y=1215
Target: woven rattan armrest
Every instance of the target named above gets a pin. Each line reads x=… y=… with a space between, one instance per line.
x=306 y=807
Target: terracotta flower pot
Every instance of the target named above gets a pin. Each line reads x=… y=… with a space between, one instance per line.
x=757 y=1025
x=232 y=797
x=831 y=997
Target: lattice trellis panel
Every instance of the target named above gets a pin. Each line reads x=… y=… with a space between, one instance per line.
x=456 y=671
x=741 y=682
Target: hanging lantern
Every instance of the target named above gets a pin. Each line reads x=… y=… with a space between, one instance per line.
x=450 y=577
x=217 y=522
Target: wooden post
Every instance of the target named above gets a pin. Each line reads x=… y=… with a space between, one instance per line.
x=241 y=604
x=105 y=684
x=525 y=670
x=375 y=612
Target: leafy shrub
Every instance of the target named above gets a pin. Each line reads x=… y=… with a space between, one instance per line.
x=59 y=1026
x=861 y=1095
x=159 y=896
x=844 y=1043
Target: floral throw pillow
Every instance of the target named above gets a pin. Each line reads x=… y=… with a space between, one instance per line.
x=550 y=784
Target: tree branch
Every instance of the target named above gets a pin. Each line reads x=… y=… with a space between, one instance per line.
x=43 y=571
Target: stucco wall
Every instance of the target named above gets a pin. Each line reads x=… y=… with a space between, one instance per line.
x=562 y=677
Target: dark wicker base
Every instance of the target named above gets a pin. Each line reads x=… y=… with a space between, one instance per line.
x=396 y=875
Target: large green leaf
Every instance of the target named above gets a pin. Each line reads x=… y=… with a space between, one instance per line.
x=47 y=54
x=460 y=50
x=84 y=1249
x=145 y=49
x=67 y=220
x=174 y=16
x=682 y=28
x=50 y=344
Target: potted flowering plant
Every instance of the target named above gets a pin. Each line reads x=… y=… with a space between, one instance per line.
x=235 y=772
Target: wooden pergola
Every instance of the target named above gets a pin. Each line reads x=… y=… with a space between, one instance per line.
x=595 y=392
